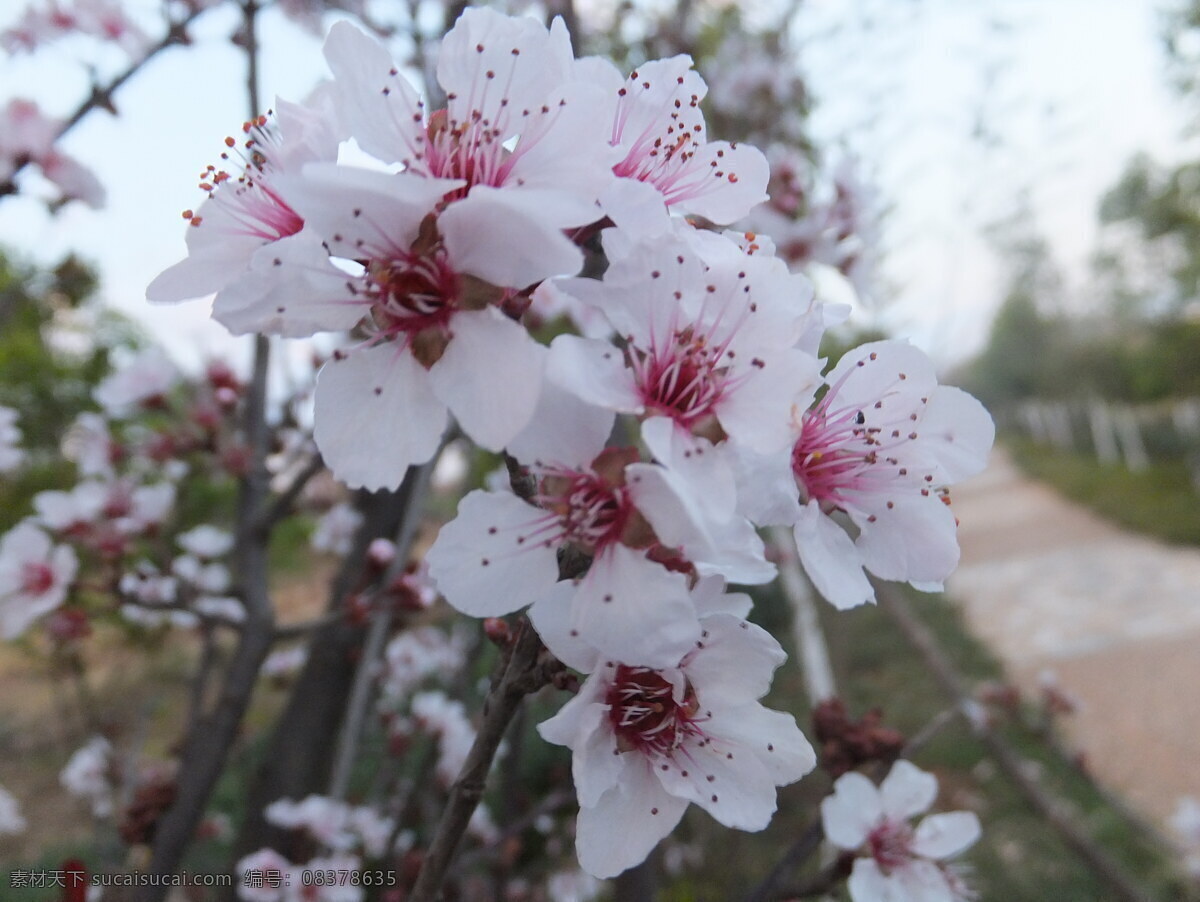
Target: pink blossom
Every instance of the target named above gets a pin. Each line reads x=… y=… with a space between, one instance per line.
x=902 y=863
x=881 y=446
x=666 y=158
x=710 y=333
x=523 y=133
x=53 y=19
x=248 y=212
x=647 y=742
x=35 y=576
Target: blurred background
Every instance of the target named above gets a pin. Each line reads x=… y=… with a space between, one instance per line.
x=1012 y=185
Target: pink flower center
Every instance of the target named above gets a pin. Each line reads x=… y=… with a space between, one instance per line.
x=891 y=845
x=841 y=455
x=644 y=714
x=36 y=578
x=590 y=512
x=412 y=293
x=683 y=380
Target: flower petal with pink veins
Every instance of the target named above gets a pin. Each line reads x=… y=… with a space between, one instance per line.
x=594 y=371
x=290 y=289
x=722 y=182
x=734 y=661
x=635 y=611
x=490 y=559
x=945 y=835
x=893 y=374
x=509 y=237
x=628 y=821
x=831 y=560
x=852 y=811
x=907 y=791
x=383 y=110
x=490 y=376
x=375 y=415
x=908 y=537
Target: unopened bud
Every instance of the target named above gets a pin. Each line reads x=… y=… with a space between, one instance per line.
x=497 y=631
x=380 y=553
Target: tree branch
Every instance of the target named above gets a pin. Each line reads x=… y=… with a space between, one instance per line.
x=527 y=668
x=102 y=96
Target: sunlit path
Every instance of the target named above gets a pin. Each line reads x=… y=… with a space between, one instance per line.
x=1115 y=615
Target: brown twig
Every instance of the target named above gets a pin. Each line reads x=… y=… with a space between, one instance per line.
x=212 y=736
x=527 y=668
x=102 y=96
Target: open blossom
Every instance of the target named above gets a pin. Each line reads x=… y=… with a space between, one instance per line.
x=143 y=381
x=523 y=132
x=48 y=21
x=27 y=137
x=248 y=211
x=647 y=742
x=11 y=820
x=900 y=863
x=35 y=575
x=881 y=446
x=710 y=335
x=667 y=163
x=446 y=719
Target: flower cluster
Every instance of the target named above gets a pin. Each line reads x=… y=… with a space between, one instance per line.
x=645 y=455
x=902 y=863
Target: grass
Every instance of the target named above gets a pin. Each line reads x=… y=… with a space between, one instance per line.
x=1161 y=501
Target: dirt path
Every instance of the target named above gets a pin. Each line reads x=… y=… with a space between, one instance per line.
x=1049 y=585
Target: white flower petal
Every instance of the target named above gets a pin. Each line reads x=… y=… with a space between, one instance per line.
x=945 y=835
x=504 y=237
x=635 y=611
x=852 y=811
x=563 y=430
x=830 y=559
x=490 y=559
x=374 y=415
x=594 y=371
x=735 y=662
x=551 y=616
x=490 y=376
x=907 y=790
x=628 y=821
